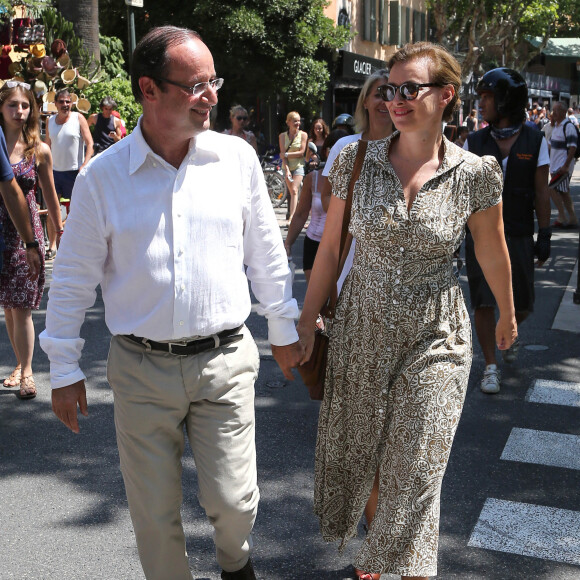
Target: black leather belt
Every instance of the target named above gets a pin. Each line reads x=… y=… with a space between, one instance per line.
x=182 y=348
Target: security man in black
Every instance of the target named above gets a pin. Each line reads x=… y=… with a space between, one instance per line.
x=522 y=152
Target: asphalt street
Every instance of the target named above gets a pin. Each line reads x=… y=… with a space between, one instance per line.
x=510 y=505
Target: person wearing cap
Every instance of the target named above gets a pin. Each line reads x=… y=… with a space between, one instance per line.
x=345 y=122
x=173 y=222
x=106 y=126
x=522 y=152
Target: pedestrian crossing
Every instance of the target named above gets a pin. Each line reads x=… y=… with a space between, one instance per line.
x=526 y=529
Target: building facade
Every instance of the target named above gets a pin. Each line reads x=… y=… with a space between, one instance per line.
x=379 y=27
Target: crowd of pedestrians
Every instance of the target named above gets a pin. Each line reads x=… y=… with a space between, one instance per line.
x=175 y=276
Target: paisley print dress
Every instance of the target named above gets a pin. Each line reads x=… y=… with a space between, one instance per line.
x=17 y=290
x=399 y=358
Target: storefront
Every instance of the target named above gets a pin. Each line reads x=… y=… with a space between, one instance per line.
x=349 y=75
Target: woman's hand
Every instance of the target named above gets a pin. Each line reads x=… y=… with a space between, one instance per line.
x=306 y=339
x=506 y=331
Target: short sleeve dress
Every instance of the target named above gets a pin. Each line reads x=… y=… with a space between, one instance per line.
x=17 y=290
x=399 y=358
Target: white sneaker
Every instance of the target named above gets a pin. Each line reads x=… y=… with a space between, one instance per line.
x=491 y=379
x=511 y=354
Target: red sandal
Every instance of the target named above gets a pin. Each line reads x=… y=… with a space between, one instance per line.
x=360 y=575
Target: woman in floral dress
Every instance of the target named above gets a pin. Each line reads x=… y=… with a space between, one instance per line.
x=400 y=345
x=32 y=163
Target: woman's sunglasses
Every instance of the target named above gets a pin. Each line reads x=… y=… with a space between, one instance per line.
x=242 y=118
x=408 y=90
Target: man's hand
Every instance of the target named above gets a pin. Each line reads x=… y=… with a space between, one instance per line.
x=64 y=404
x=33 y=261
x=542 y=246
x=287 y=357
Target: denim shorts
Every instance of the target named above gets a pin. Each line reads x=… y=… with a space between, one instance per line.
x=64 y=182
x=298 y=171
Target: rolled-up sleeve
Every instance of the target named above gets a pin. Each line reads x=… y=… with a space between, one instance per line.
x=78 y=270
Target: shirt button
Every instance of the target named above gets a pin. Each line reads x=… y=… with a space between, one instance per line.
x=384 y=391
x=381 y=411
x=397 y=281
x=402 y=249
x=183 y=286
x=398 y=270
x=395 y=302
x=154 y=164
x=181 y=323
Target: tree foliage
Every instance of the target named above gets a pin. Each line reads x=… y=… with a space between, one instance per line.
x=489 y=32
x=260 y=47
x=568 y=23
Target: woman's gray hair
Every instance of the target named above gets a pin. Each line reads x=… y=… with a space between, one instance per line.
x=108 y=102
x=237 y=108
x=361 y=115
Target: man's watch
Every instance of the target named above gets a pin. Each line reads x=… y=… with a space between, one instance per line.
x=33 y=244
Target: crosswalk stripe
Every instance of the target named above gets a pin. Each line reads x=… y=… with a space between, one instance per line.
x=543 y=448
x=554 y=393
x=528 y=530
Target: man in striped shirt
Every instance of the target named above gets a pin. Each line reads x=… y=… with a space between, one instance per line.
x=563 y=143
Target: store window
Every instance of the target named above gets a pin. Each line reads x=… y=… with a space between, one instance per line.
x=370 y=20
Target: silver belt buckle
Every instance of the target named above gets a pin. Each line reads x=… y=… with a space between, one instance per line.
x=179 y=343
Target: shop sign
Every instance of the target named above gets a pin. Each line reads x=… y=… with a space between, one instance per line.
x=134 y=3
x=357 y=66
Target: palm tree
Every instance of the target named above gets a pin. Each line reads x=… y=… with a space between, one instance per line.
x=84 y=14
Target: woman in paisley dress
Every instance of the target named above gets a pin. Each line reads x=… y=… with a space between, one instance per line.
x=32 y=163
x=400 y=344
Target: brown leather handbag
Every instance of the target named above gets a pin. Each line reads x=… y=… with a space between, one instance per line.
x=314 y=371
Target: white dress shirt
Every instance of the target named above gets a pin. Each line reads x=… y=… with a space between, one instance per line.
x=172 y=249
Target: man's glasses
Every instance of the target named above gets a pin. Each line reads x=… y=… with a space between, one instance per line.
x=242 y=118
x=198 y=88
x=408 y=91
x=60 y=102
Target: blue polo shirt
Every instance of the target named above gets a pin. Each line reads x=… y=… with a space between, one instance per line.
x=6 y=174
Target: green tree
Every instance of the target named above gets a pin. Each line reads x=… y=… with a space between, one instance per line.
x=261 y=47
x=84 y=14
x=483 y=31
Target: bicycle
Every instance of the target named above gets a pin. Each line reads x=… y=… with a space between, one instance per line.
x=272 y=169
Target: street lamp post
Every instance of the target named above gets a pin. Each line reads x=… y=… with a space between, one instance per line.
x=131 y=4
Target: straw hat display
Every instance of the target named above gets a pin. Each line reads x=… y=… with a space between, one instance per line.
x=39 y=89
x=83 y=105
x=47 y=71
x=68 y=76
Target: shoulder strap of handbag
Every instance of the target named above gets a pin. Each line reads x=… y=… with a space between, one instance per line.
x=344 y=235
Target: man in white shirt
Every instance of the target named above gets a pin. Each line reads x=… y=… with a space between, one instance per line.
x=563 y=144
x=172 y=222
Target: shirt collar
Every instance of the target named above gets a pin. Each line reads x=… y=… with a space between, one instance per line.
x=452 y=155
x=140 y=150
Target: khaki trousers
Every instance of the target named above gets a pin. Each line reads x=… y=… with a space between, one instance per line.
x=212 y=394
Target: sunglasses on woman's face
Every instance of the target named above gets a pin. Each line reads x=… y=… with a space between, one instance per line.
x=409 y=90
x=242 y=118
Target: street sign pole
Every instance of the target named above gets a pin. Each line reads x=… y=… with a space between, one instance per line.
x=131 y=4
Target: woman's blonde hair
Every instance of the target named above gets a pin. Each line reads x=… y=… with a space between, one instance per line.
x=445 y=71
x=361 y=115
x=31 y=128
x=292 y=115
